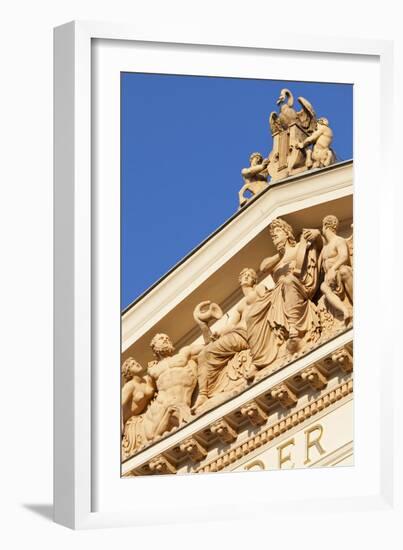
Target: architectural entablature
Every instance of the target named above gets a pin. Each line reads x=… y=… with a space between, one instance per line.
x=222 y=437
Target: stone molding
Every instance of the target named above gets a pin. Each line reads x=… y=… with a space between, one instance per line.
x=277 y=429
x=256 y=412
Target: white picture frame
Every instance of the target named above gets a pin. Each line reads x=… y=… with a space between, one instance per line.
x=80 y=314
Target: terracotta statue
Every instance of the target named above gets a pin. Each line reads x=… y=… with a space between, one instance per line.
x=286 y=314
x=337 y=286
x=255 y=177
x=321 y=154
x=175 y=378
x=230 y=340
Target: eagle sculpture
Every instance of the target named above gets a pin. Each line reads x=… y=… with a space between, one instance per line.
x=306 y=117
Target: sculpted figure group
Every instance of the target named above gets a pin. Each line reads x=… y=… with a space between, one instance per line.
x=301 y=141
x=310 y=298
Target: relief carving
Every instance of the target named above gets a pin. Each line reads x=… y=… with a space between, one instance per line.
x=160 y=465
x=193 y=449
x=224 y=431
x=344 y=360
x=311 y=298
x=231 y=340
x=314 y=378
x=254 y=413
x=284 y=396
x=336 y=304
x=175 y=378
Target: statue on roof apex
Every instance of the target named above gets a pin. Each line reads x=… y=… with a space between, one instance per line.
x=301 y=141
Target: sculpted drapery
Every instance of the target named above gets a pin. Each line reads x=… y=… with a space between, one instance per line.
x=286 y=314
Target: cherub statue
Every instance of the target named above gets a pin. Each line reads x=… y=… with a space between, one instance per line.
x=321 y=153
x=255 y=177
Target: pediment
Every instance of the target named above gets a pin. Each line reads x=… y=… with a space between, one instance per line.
x=211 y=273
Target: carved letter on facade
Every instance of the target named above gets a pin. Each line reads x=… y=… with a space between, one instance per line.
x=313 y=441
x=284 y=458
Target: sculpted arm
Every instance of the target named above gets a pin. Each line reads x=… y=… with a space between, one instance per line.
x=268 y=264
x=312 y=138
x=313 y=235
x=256 y=169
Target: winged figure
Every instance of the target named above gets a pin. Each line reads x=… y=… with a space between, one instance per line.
x=306 y=117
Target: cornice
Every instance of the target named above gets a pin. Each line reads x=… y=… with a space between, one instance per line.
x=277 y=429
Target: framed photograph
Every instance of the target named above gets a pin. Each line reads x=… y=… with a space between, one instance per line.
x=213 y=207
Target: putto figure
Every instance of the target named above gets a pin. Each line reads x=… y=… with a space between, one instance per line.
x=255 y=177
x=285 y=316
x=321 y=154
x=175 y=378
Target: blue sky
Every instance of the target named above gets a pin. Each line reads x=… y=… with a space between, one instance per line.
x=184 y=141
